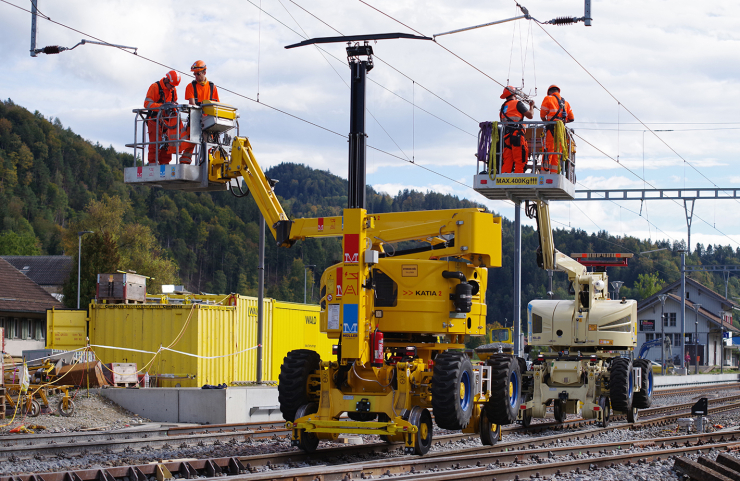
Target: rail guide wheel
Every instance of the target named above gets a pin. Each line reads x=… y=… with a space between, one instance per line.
x=559 y=410
x=490 y=433
x=66 y=407
x=422 y=419
x=308 y=442
x=632 y=415
x=606 y=411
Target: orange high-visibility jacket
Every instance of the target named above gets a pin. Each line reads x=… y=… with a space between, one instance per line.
x=159 y=94
x=200 y=92
x=511 y=111
x=554 y=107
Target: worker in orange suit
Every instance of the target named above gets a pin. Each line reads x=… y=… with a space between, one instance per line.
x=516 y=150
x=554 y=107
x=200 y=89
x=165 y=125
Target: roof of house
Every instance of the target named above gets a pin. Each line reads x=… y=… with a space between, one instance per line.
x=43 y=270
x=711 y=316
x=18 y=293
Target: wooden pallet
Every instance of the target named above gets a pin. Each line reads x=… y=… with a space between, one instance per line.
x=126 y=384
x=2 y=404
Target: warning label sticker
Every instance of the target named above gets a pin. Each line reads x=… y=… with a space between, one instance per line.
x=516 y=181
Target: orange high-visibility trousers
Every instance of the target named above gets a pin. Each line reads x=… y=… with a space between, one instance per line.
x=550 y=162
x=169 y=129
x=514 y=156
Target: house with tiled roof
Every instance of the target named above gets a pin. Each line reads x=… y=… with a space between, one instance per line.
x=23 y=306
x=49 y=272
x=708 y=323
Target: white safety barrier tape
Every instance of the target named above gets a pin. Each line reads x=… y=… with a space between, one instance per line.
x=172 y=350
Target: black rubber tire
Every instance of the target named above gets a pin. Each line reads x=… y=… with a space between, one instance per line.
x=489 y=432
x=620 y=384
x=293 y=390
x=644 y=398
x=309 y=441
x=452 y=390
x=506 y=382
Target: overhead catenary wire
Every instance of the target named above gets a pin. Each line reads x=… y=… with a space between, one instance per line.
x=589 y=73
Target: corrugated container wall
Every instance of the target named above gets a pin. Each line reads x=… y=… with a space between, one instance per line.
x=208 y=331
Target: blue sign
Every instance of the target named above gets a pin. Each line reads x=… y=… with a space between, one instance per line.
x=349 y=319
x=725 y=335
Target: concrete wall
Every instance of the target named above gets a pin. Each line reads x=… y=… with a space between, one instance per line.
x=203 y=406
x=693 y=379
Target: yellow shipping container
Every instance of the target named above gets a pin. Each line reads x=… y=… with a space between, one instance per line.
x=216 y=339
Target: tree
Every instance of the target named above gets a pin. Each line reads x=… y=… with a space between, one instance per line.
x=12 y=244
x=99 y=256
x=647 y=285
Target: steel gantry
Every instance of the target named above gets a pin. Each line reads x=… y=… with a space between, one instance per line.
x=688 y=196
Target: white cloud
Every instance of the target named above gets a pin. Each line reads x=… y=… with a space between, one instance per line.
x=654 y=65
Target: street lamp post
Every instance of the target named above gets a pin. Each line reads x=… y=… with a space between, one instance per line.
x=662 y=298
x=696 y=339
x=305 y=270
x=79 y=261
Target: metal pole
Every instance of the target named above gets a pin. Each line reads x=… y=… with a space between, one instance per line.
x=79 y=261
x=34 y=14
x=260 y=297
x=550 y=293
x=662 y=340
x=689 y=218
x=357 y=137
x=79 y=265
x=696 y=341
x=305 y=270
x=722 y=342
x=662 y=298
x=683 y=311
x=517 y=277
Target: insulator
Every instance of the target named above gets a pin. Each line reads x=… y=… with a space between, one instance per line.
x=563 y=20
x=51 y=49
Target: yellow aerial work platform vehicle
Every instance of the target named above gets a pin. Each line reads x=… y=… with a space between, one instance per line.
x=385 y=307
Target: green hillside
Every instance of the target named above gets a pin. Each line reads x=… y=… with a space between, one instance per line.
x=54 y=184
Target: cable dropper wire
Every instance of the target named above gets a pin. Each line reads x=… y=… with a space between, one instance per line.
x=628 y=110
x=228 y=90
x=594 y=78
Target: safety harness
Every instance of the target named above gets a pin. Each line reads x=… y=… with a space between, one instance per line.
x=195 y=92
x=162 y=99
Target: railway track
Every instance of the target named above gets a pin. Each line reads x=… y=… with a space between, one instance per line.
x=573 y=430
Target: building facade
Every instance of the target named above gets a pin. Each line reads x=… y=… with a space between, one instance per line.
x=708 y=324
x=23 y=306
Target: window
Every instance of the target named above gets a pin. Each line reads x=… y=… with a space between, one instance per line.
x=665 y=320
x=689 y=338
x=672 y=319
x=649 y=337
x=39 y=329
x=16 y=323
x=26 y=328
x=687 y=294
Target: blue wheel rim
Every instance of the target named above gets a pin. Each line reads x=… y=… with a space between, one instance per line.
x=650 y=383
x=514 y=383
x=631 y=384
x=466 y=381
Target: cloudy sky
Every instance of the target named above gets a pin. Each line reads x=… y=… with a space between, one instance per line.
x=670 y=64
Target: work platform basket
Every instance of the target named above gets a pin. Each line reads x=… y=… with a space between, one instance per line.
x=175 y=156
x=533 y=184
